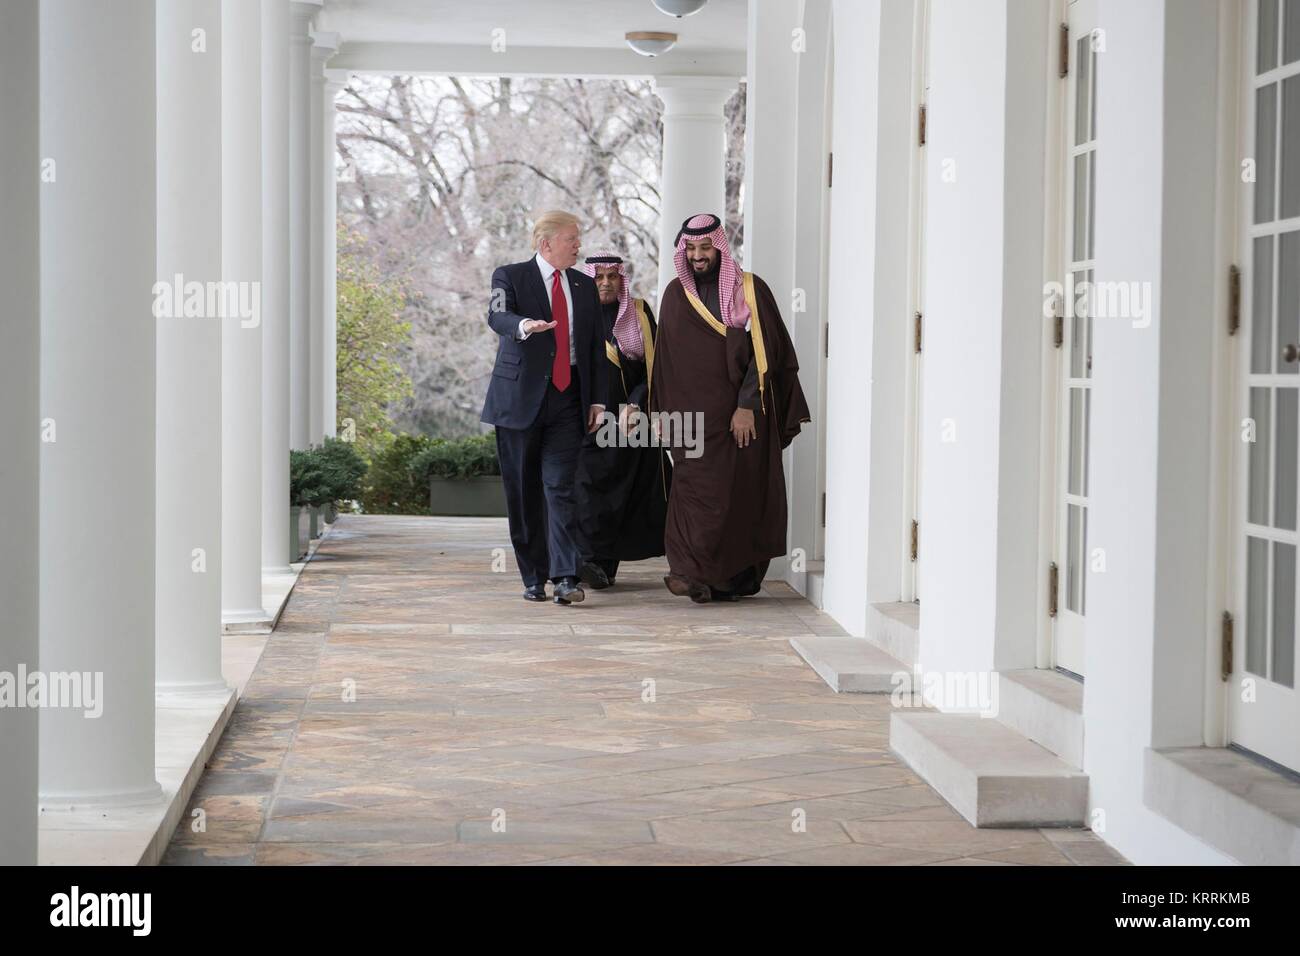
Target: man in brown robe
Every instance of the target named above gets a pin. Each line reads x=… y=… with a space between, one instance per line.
x=723 y=354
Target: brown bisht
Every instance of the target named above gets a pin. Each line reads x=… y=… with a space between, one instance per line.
x=727 y=509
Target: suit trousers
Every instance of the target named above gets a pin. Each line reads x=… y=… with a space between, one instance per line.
x=538 y=467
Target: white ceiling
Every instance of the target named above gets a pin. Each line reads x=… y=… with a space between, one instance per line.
x=532 y=23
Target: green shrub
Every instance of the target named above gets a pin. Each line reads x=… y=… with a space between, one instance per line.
x=307 y=482
x=325 y=473
x=343 y=469
x=391 y=487
x=471 y=457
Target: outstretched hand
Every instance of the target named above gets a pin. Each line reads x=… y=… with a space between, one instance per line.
x=536 y=325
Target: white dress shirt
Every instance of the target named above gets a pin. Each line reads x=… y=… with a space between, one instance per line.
x=547 y=271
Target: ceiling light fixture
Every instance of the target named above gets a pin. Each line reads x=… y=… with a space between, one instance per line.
x=680 y=8
x=650 y=43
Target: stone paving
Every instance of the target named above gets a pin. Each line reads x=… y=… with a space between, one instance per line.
x=412 y=708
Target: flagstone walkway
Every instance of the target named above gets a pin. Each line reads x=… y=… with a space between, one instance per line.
x=412 y=708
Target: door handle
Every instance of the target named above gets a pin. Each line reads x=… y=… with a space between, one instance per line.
x=1290 y=353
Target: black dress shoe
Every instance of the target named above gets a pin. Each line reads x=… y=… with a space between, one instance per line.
x=535 y=593
x=594 y=576
x=569 y=591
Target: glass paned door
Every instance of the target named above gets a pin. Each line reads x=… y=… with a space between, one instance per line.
x=1264 y=707
x=1075 y=398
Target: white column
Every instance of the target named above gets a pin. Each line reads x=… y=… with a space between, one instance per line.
x=325 y=46
x=241 y=336
x=335 y=80
x=275 y=285
x=694 y=130
x=771 y=119
x=98 y=263
x=810 y=198
x=300 y=152
x=771 y=176
x=979 y=435
x=878 y=166
x=20 y=386
x=188 y=574
x=1153 y=443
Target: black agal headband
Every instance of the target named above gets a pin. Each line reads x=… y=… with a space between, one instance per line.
x=688 y=230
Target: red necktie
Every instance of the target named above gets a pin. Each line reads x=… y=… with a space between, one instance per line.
x=560 y=316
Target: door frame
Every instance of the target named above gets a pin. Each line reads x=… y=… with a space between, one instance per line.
x=1053 y=231
x=1225 y=426
x=823 y=293
x=1240 y=723
x=1063 y=642
x=909 y=578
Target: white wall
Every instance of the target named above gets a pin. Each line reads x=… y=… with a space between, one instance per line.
x=770 y=118
x=1022 y=574
x=1160 y=220
x=963 y=319
x=891 y=317
x=979 y=428
x=850 y=296
x=871 y=320
x=771 y=135
x=810 y=208
x=1191 y=273
x=961 y=391
x=1149 y=465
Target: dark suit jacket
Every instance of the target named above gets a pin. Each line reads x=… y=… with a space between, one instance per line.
x=523 y=369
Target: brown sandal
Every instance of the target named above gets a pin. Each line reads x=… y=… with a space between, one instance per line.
x=684 y=587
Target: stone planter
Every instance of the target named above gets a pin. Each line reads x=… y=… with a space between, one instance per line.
x=298 y=531
x=482 y=497
x=331 y=512
x=315 y=521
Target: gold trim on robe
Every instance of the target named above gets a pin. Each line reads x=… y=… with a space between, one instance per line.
x=648 y=343
x=755 y=331
x=647 y=338
x=756 y=334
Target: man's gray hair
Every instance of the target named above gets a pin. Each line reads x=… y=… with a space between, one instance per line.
x=549 y=223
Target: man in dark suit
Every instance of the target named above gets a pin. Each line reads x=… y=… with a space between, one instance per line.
x=545 y=392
